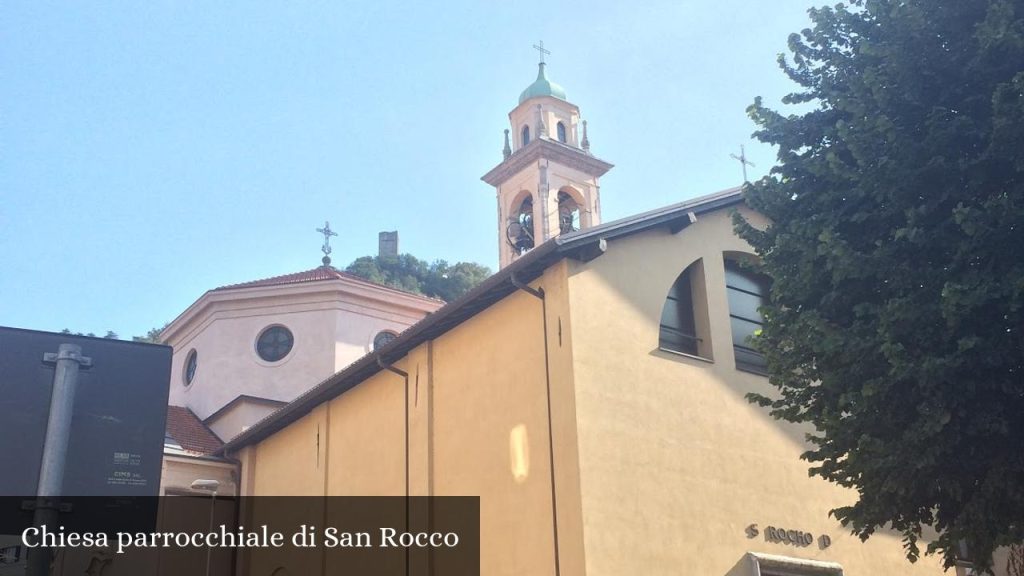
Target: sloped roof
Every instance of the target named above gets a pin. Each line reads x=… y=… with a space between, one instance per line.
x=316 y=275
x=583 y=245
x=313 y=275
x=189 y=431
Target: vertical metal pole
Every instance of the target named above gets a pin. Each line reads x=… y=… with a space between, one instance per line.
x=68 y=360
x=209 y=549
x=58 y=429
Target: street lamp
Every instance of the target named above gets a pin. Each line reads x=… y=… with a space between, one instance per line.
x=210 y=486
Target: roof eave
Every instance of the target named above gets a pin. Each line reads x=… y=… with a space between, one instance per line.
x=494 y=288
x=239 y=400
x=526 y=269
x=353 y=287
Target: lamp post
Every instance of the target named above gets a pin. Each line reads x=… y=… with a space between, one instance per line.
x=210 y=486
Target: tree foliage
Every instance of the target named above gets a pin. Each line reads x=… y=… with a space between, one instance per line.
x=152 y=336
x=110 y=335
x=406 y=272
x=896 y=322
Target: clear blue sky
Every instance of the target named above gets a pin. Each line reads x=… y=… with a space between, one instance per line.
x=150 y=151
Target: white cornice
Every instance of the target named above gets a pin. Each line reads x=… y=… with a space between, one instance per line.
x=329 y=294
x=548 y=149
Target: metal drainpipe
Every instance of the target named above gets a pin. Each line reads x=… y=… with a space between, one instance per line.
x=539 y=294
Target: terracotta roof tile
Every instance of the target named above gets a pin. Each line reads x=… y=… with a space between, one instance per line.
x=316 y=275
x=189 y=431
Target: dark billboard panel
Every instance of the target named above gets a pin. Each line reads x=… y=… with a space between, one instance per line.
x=117 y=428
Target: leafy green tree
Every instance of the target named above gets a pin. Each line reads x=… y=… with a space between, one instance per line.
x=406 y=272
x=896 y=246
x=110 y=334
x=449 y=282
x=152 y=336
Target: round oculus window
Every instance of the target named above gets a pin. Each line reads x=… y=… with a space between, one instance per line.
x=382 y=338
x=274 y=343
x=191 y=363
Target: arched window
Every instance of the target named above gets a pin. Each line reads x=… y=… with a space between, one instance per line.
x=747 y=292
x=561 y=132
x=679 y=327
x=526 y=135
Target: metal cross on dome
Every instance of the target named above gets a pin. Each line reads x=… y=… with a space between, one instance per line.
x=541 y=50
x=326 y=248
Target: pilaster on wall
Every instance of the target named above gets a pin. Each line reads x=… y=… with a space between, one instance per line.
x=247 y=471
x=420 y=405
x=564 y=440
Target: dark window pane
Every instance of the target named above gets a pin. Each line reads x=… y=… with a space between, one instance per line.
x=746 y=293
x=742 y=330
x=191 y=363
x=672 y=339
x=751 y=360
x=742 y=280
x=744 y=305
x=676 y=315
x=674 y=291
x=274 y=343
x=677 y=331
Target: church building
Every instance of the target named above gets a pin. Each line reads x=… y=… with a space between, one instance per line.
x=591 y=392
x=245 y=350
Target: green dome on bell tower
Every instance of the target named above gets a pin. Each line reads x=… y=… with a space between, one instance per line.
x=542 y=87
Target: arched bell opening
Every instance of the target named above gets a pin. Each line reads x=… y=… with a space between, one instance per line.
x=519 y=231
x=571 y=215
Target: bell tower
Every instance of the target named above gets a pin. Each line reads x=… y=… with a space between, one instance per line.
x=547 y=183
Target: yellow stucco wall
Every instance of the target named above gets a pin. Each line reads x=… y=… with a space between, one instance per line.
x=478 y=425
x=674 y=463
x=291 y=462
x=365 y=440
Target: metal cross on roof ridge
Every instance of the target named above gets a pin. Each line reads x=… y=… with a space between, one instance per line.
x=742 y=158
x=540 y=49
